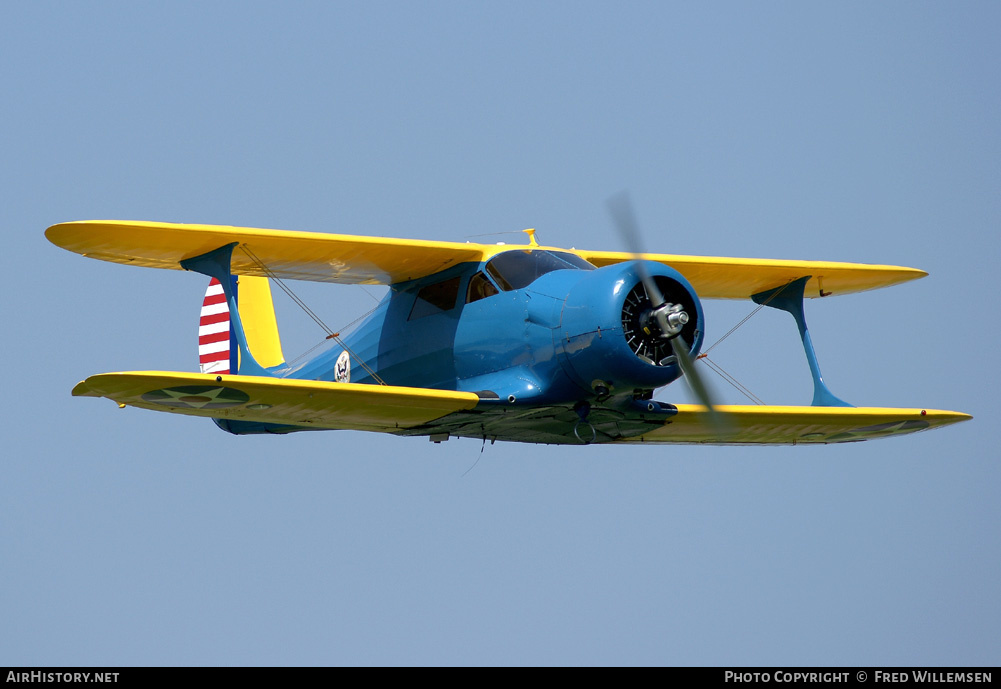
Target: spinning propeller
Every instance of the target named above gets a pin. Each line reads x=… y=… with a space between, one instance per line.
x=664 y=320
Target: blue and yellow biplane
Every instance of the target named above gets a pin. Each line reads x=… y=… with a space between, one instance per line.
x=522 y=343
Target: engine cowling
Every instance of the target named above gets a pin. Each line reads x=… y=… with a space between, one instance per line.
x=609 y=336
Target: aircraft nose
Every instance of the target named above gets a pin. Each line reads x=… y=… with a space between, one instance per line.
x=613 y=335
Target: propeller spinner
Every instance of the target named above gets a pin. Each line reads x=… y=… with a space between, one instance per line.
x=661 y=322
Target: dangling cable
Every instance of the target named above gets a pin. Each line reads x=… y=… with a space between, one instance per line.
x=482 y=447
x=491 y=234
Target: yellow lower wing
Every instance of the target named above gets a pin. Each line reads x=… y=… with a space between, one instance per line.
x=391 y=409
x=311 y=404
x=768 y=425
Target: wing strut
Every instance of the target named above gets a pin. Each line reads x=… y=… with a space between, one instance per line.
x=790 y=298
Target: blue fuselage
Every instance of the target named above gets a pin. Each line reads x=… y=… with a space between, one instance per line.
x=557 y=335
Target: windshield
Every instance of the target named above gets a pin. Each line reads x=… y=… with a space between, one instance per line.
x=517 y=269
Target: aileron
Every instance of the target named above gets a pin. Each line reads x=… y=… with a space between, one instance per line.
x=310 y=404
x=785 y=425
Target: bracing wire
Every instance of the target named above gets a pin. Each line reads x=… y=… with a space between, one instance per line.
x=324 y=341
x=741 y=388
x=331 y=335
x=746 y=318
x=732 y=330
x=719 y=369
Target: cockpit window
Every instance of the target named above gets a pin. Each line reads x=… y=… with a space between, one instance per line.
x=479 y=288
x=517 y=269
x=435 y=298
x=573 y=259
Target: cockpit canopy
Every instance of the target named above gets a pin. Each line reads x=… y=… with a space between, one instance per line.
x=520 y=268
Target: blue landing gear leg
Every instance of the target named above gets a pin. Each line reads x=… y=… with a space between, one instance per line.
x=790 y=298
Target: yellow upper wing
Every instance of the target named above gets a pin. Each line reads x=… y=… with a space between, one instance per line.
x=738 y=278
x=379 y=260
x=777 y=425
x=290 y=255
x=311 y=404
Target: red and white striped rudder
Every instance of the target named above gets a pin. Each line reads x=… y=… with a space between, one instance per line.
x=215 y=348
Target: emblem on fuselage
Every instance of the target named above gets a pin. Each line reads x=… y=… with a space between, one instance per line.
x=342 y=369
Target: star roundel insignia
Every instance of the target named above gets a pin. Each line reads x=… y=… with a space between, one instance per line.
x=197 y=397
x=880 y=430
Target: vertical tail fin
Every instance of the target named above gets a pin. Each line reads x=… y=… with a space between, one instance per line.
x=218 y=348
x=257 y=311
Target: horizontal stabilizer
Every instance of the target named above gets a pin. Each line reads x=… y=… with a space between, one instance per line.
x=304 y=403
x=776 y=425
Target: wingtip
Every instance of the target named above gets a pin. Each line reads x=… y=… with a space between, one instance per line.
x=62 y=234
x=52 y=232
x=942 y=417
x=68 y=233
x=83 y=389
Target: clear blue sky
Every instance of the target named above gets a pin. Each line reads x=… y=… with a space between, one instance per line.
x=841 y=131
